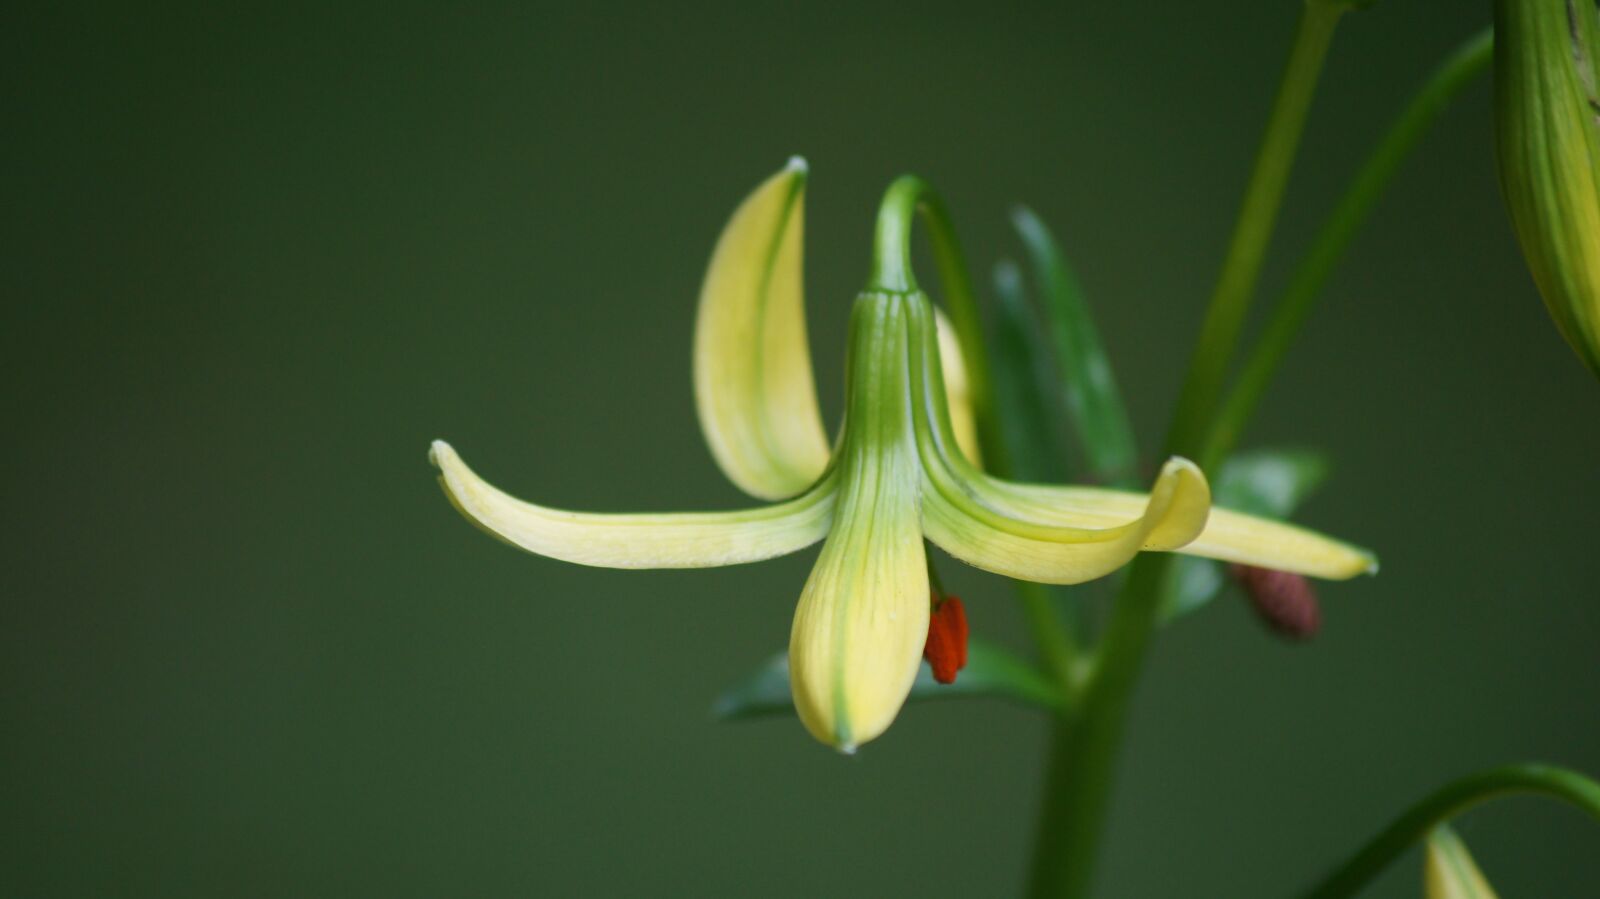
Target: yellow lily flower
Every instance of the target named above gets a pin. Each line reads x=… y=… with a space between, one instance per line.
x=902 y=469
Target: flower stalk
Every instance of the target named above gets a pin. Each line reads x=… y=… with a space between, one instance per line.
x=1085 y=746
x=1447 y=802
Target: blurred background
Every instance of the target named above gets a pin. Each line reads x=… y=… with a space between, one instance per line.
x=256 y=260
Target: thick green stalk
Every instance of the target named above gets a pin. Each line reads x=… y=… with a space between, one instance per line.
x=892 y=270
x=1451 y=800
x=1359 y=198
x=1085 y=748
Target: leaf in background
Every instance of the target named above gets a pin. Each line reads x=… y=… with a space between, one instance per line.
x=1449 y=871
x=1269 y=483
x=990 y=671
x=1022 y=385
x=1088 y=386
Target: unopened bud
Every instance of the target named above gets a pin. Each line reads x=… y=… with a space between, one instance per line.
x=1284 y=601
x=1547 y=138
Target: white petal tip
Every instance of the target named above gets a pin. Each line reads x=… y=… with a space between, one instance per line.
x=797 y=164
x=436 y=451
x=847 y=748
x=1372 y=567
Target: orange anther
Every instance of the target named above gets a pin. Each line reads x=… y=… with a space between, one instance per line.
x=946 y=649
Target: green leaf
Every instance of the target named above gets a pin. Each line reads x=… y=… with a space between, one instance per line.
x=1023 y=377
x=1093 y=402
x=990 y=671
x=1269 y=483
x=1450 y=872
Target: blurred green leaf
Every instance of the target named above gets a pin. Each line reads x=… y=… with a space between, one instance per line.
x=990 y=671
x=1269 y=483
x=1023 y=382
x=1450 y=872
x=1088 y=386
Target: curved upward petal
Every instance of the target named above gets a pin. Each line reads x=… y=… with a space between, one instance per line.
x=752 y=368
x=672 y=540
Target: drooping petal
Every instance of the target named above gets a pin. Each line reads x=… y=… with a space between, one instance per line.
x=862 y=621
x=671 y=540
x=1015 y=508
x=752 y=367
x=958 y=389
x=1228 y=535
x=1173 y=513
x=958 y=517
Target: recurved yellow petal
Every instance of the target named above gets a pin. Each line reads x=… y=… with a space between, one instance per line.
x=672 y=540
x=752 y=367
x=957 y=388
x=1450 y=872
x=1228 y=535
x=1064 y=550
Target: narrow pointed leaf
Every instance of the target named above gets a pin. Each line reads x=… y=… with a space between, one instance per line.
x=1450 y=872
x=1270 y=483
x=991 y=672
x=1094 y=404
x=753 y=384
x=1023 y=392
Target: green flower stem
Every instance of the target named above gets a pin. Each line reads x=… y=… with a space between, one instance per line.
x=1446 y=803
x=892 y=270
x=1252 y=232
x=1457 y=70
x=1085 y=746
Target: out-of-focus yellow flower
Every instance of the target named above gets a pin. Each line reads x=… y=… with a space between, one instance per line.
x=1450 y=872
x=901 y=470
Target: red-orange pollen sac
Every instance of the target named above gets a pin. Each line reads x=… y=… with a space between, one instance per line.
x=946 y=649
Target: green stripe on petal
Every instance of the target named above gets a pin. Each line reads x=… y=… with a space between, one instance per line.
x=964 y=512
x=1228 y=535
x=1450 y=872
x=1173 y=513
x=863 y=616
x=753 y=385
x=1066 y=514
x=671 y=540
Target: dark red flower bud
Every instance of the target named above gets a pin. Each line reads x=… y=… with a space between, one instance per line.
x=1285 y=602
x=946 y=649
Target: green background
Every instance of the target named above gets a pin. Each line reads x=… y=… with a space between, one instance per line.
x=255 y=261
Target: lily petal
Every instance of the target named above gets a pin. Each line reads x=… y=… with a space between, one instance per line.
x=1228 y=535
x=863 y=616
x=753 y=384
x=672 y=540
x=1173 y=513
x=957 y=388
